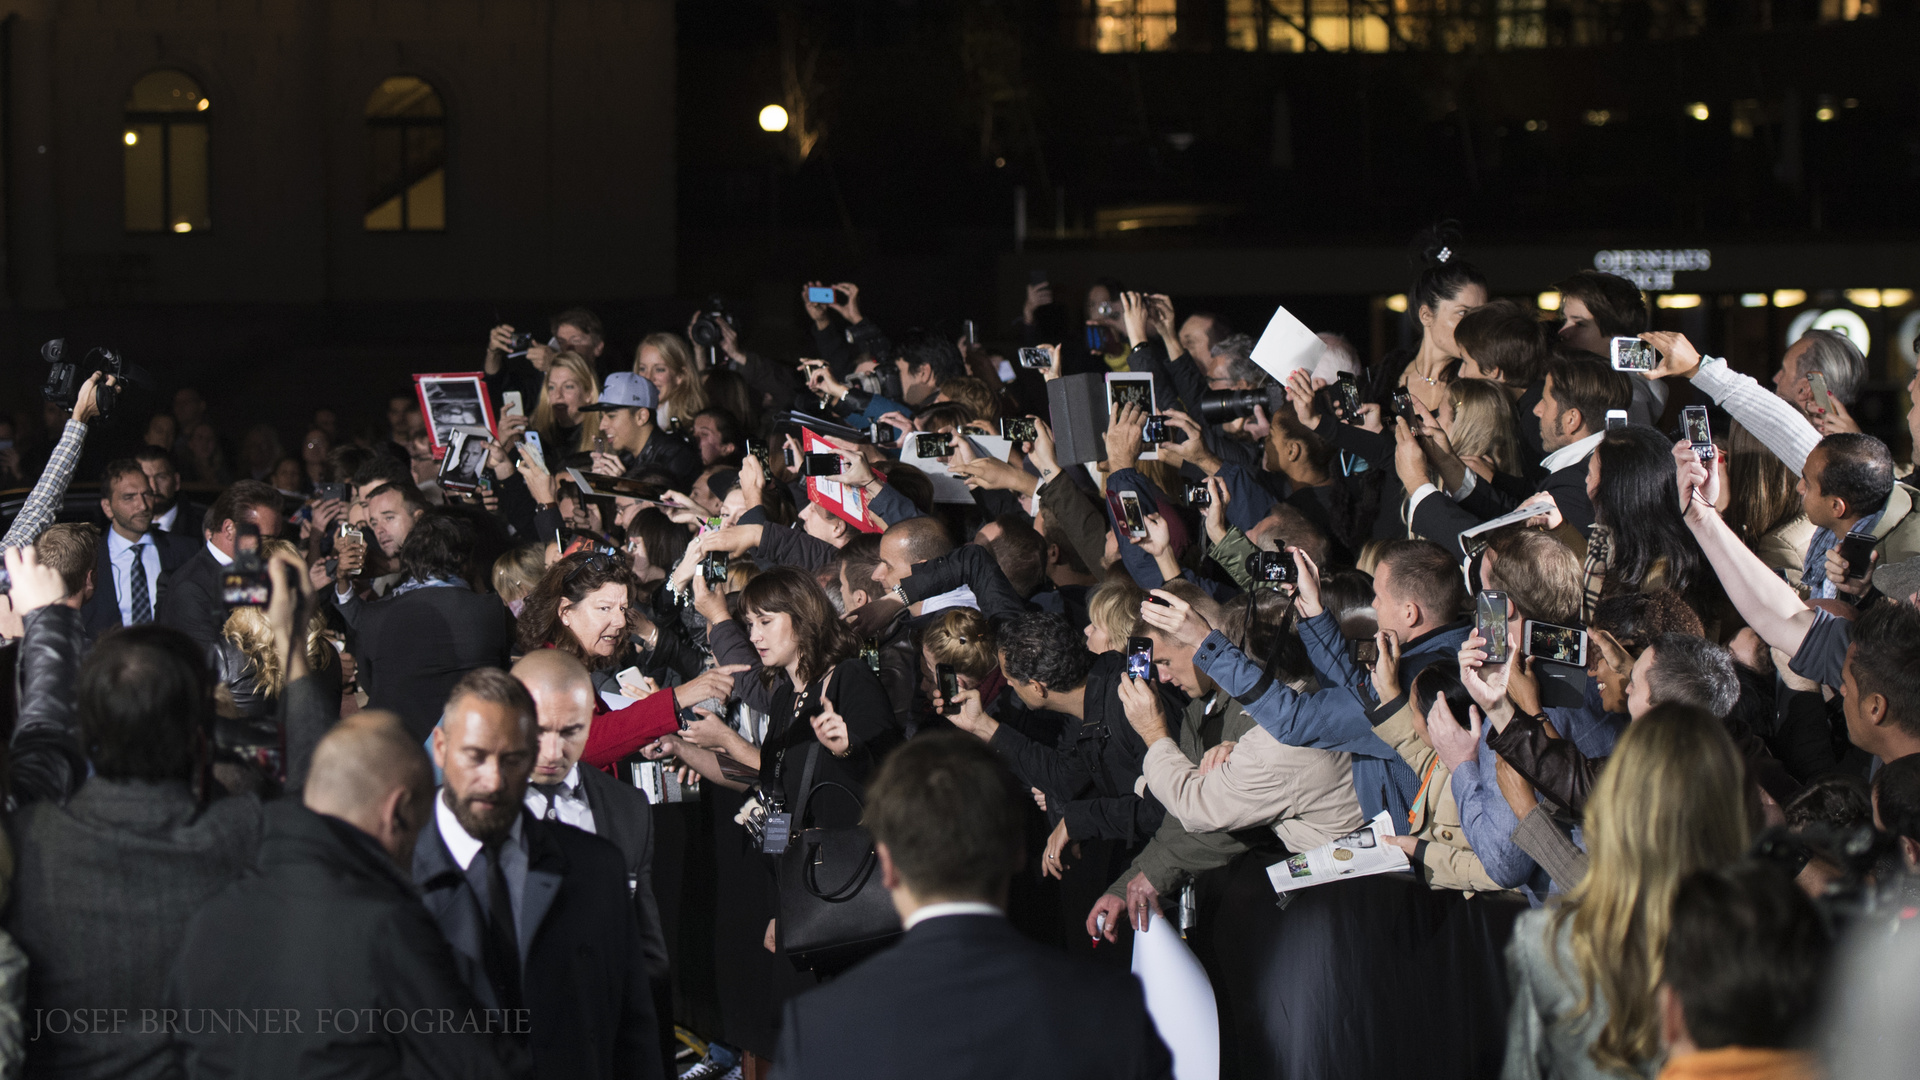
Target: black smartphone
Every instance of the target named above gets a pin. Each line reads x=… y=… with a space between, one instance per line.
x=1856 y=550
x=1139 y=658
x=1154 y=430
x=882 y=434
x=1346 y=397
x=935 y=444
x=1036 y=277
x=758 y=449
x=713 y=568
x=1019 y=429
x=821 y=465
x=337 y=492
x=1366 y=652
x=1199 y=496
x=1490 y=618
x=1033 y=356
x=949 y=681
x=1693 y=423
x=1403 y=408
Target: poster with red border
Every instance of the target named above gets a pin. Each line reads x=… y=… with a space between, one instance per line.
x=454 y=401
x=844 y=501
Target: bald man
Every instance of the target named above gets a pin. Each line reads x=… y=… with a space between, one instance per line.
x=540 y=914
x=569 y=792
x=329 y=928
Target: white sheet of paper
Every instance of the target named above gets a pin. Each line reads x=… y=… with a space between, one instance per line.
x=1287 y=346
x=616 y=702
x=948 y=488
x=1180 y=1000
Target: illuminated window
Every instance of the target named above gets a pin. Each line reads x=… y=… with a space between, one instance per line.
x=1124 y=26
x=406 y=157
x=1303 y=25
x=165 y=155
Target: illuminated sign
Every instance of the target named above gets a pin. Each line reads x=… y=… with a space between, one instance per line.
x=1652 y=270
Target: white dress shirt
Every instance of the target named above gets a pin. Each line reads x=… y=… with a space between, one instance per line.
x=164 y=522
x=953 y=907
x=120 y=557
x=569 y=803
x=464 y=848
x=219 y=556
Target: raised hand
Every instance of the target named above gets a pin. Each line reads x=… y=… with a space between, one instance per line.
x=1175 y=618
x=1142 y=707
x=1677 y=354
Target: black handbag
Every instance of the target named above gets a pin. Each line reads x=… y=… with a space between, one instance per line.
x=834 y=909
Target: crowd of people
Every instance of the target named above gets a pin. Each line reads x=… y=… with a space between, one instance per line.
x=848 y=716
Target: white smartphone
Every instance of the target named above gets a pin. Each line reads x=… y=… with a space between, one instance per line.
x=1560 y=644
x=1633 y=354
x=510 y=404
x=1616 y=418
x=532 y=439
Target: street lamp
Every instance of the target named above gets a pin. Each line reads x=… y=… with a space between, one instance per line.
x=773 y=118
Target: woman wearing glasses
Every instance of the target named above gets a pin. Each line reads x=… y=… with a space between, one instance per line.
x=584 y=606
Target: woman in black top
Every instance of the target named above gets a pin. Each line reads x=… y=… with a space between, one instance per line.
x=1448 y=287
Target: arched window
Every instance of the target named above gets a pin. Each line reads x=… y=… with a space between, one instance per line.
x=406 y=157
x=166 y=154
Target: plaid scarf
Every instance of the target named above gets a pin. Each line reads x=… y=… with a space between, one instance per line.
x=1593 y=578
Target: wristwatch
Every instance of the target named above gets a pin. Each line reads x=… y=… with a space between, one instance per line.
x=900 y=594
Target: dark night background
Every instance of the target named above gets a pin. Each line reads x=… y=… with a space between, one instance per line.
x=607 y=153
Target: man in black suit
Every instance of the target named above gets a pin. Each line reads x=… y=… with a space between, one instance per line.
x=564 y=790
x=1572 y=414
x=431 y=629
x=195 y=605
x=330 y=926
x=172 y=512
x=537 y=912
x=133 y=565
x=983 y=1000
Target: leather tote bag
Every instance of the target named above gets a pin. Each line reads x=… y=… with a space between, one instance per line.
x=834 y=910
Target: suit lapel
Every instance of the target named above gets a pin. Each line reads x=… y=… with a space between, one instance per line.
x=605 y=821
x=546 y=868
x=444 y=892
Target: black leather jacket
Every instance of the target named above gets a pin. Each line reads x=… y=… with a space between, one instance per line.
x=45 y=759
x=250 y=699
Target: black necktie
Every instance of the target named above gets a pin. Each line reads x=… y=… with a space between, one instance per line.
x=552 y=792
x=142 y=606
x=501 y=947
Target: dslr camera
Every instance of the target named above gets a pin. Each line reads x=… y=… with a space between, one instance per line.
x=64 y=376
x=1226 y=406
x=706 y=326
x=1272 y=568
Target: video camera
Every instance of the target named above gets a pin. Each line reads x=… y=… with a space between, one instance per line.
x=66 y=376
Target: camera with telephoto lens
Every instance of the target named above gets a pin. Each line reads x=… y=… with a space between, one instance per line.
x=1271 y=568
x=713 y=568
x=65 y=378
x=705 y=330
x=1226 y=406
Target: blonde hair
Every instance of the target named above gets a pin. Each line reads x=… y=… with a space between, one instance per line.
x=1670 y=800
x=542 y=419
x=691 y=397
x=247 y=627
x=962 y=637
x=516 y=572
x=1115 y=606
x=1483 y=423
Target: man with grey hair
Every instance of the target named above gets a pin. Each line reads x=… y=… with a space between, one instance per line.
x=330 y=928
x=538 y=912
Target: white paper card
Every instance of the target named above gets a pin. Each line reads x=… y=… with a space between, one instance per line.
x=1360 y=853
x=1180 y=1000
x=1287 y=346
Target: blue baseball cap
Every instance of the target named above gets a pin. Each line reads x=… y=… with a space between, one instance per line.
x=624 y=390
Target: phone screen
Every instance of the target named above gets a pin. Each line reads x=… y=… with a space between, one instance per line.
x=1490 y=618
x=1139 y=658
x=949 y=688
x=819 y=296
x=1632 y=354
x=1560 y=644
x=1130 y=509
x=1856 y=550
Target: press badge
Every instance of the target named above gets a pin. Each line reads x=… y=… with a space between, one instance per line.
x=779 y=829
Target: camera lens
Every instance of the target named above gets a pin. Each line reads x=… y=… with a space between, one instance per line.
x=1225 y=406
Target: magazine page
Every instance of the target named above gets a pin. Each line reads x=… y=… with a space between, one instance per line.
x=1360 y=853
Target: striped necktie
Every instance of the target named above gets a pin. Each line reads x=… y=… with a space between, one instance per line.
x=142 y=605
